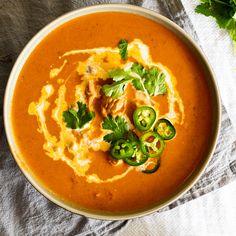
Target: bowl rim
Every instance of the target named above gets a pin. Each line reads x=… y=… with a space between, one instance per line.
x=29 y=48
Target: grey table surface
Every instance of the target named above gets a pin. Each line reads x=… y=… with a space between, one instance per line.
x=24 y=211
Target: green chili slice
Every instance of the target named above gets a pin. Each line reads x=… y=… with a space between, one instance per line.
x=144 y=117
x=153 y=169
x=122 y=149
x=152 y=145
x=138 y=158
x=165 y=129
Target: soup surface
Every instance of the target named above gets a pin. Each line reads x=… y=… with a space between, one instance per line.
x=112 y=112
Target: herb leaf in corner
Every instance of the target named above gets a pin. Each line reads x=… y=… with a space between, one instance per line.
x=118 y=125
x=77 y=119
x=123 y=46
x=223 y=11
x=155 y=82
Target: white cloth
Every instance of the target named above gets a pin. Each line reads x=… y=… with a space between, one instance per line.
x=213 y=214
x=218 y=47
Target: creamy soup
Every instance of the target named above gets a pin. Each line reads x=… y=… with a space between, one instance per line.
x=112 y=112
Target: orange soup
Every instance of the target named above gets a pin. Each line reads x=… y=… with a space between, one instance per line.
x=112 y=112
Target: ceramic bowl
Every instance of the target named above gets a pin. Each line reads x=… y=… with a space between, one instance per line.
x=112 y=8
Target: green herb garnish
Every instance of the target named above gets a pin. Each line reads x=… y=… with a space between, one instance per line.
x=224 y=11
x=155 y=82
x=132 y=137
x=123 y=46
x=140 y=71
x=77 y=119
x=116 y=89
x=118 y=125
x=151 y=81
x=118 y=74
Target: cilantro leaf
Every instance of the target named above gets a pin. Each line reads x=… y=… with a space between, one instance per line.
x=117 y=74
x=138 y=84
x=151 y=81
x=77 y=119
x=123 y=46
x=232 y=30
x=223 y=11
x=132 y=137
x=118 y=125
x=116 y=89
x=155 y=82
x=70 y=119
x=139 y=70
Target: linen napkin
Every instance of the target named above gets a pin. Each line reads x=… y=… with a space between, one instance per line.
x=23 y=211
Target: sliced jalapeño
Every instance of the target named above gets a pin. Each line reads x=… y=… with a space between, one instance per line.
x=144 y=117
x=152 y=145
x=165 y=129
x=122 y=149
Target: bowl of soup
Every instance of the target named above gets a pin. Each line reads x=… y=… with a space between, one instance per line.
x=112 y=111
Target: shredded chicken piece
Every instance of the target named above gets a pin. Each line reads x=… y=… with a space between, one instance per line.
x=92 y=92
x=112 y=106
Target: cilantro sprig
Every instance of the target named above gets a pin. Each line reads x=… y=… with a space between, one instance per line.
x=140 y=71
x=123 y=47
x=77 y=119
x=117 y=125
x=119 y=128
x=224 y=11
x=151 y=81
x=116 y=89
x=155 y=82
